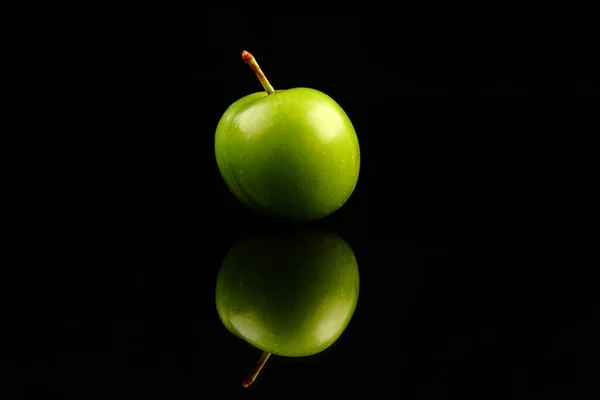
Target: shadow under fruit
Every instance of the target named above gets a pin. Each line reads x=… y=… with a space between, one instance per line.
x=289 y=293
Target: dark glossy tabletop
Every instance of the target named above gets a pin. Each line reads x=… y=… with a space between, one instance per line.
x=466 y=286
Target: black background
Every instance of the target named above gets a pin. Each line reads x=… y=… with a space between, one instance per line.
x=468 y=286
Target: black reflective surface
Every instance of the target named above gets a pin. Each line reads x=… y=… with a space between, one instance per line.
x=467 y=285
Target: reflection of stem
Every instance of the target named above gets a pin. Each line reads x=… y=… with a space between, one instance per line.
x=257 y=368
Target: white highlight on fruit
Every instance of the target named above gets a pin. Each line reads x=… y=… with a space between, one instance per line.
x=326 y=121
x=254 y=120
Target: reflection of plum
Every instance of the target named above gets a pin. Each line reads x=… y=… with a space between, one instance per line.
x=289 y=293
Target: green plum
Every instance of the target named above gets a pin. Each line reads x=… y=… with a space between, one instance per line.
x=290 y=154
x=289 y=293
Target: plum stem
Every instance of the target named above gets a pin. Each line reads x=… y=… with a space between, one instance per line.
x=257 y=368
x=251 y=61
